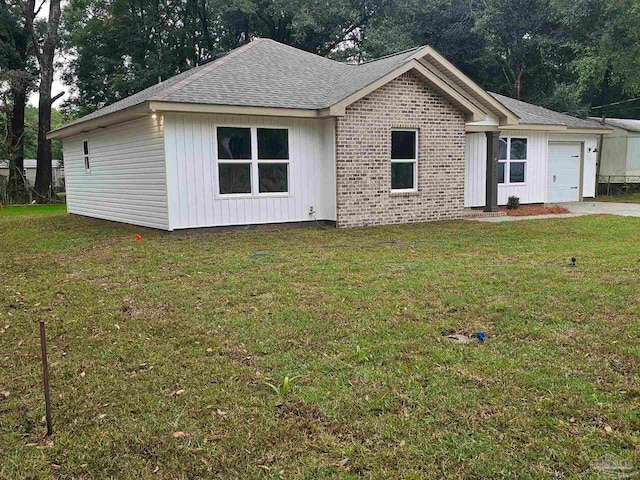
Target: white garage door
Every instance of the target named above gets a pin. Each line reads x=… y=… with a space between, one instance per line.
x=564 y=173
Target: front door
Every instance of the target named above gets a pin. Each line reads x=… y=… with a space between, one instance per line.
x=563 y=184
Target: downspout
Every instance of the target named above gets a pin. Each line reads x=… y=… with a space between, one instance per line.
x=599 y=157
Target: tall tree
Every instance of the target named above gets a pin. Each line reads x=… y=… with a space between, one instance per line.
x=15 y=63
x=45 y=51
x=121 y=47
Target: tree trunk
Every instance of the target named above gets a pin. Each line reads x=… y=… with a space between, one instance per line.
x=45 y=59
x=516 y=89
x=17 y=190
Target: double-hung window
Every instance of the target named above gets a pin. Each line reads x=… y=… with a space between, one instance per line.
x=85 y=156
x=512 y=160
x=404 y=160
x=252 y=161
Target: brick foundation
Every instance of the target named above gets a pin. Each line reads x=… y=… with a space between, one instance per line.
x=363 y=156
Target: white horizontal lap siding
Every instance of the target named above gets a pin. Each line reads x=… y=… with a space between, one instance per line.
x=192 y=176
x=534 y=189
x=589 y=155
x=127 y=181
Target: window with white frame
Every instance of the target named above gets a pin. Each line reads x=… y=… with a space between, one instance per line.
x=404 y=160
x=512 y=160
x=252 y=161
x=85 y=156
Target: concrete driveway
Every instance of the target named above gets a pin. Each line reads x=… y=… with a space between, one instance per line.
x=590 y=208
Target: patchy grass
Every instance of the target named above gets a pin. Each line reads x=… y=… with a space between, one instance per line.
x=626 y=198
x=31 y=209
x=160 y=350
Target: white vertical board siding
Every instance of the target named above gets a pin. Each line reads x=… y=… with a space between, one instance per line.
x=534 y=190
x=475 y=170
x=127 y=181
x=590 y=158
x=192 y=177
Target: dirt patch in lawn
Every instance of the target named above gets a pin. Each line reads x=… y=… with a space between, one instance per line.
x=530 y=210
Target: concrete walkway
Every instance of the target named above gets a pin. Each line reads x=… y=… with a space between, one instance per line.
x=577 y=209
x=611 y=208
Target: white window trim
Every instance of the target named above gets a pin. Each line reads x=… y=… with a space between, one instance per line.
x=254 y=161
x=86 y=159
x=407 y=160
x=507 y=164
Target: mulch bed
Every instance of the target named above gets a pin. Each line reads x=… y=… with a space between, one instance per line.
x=526 y=210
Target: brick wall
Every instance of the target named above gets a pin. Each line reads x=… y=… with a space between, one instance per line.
x=363 y=156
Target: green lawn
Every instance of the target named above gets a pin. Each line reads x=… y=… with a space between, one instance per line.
x=626 y=198
x=180 y=334
x=31 y=209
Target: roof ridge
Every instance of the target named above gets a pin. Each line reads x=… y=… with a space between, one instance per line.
x=206 y=68
x=386 y=56
x=317 y=56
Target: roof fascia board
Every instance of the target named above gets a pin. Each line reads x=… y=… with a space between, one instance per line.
x=446 y=80
x=533 y=127
x=507 y=117
x=101 y=122
x=480 y=128
x=235 y=110
x=538 y=128
x=590 y=131
x=477 y=114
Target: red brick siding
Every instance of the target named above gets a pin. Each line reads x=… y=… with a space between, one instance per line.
x=363 y=156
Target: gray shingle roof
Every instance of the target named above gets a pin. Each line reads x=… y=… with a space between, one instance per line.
x=625 y=123
x=535 y=115
x=264 y=73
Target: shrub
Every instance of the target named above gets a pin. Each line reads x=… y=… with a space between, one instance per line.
x=513 y=203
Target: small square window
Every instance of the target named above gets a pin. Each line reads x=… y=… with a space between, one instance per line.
x=234 y=143
x=273 y=178
x=273 y=144
x=516 y=172
x=402 y=175
x=501 y=172
x=234 y=178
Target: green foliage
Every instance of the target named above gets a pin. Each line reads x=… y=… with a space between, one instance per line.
x=513 y=203
x=283 y=388
x=122 y=47
x=31 y=131
x=567 y=55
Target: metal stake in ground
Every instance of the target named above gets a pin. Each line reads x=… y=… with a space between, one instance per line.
x=45 y=377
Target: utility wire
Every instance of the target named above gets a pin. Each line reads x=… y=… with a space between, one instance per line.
x=615 y=103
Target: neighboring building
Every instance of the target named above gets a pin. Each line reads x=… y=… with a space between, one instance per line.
x=620 y=158
x=57 y=171
x=272 y=134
